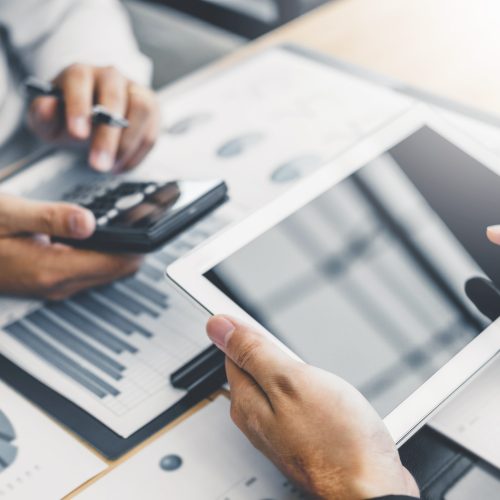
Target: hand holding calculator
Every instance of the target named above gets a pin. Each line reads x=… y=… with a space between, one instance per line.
x=140 y=216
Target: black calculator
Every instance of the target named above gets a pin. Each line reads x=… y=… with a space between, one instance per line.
x=139 y=217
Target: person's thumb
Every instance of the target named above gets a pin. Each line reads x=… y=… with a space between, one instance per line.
x=18 y=215
x=256 y=353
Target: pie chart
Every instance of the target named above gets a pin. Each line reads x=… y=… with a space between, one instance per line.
x=8 y=450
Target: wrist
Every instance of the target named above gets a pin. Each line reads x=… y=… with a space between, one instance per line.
x=380 y=482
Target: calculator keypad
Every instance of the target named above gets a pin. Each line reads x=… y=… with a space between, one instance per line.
x=107 y=201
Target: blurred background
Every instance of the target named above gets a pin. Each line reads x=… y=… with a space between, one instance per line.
x=180 y=36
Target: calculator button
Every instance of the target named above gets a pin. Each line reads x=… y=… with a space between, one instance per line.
x=127 y=202
x=102 y=221
x=129 y=188
x=83 y=200
x=112 y=214
x=99 y=191
x=100 y=205
x=99 y=213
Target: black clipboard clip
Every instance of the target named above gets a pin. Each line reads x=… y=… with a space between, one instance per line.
x=485 y=296
x=207 y=366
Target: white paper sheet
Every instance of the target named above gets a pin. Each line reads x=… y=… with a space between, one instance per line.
x=37 y=458
x=472 y=417
x=211 y=460
x=296 y=106
x=142 y=390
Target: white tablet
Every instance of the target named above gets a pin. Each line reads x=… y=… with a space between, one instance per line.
x=361 y=268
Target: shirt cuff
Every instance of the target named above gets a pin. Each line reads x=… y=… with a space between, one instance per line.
x=396 y=497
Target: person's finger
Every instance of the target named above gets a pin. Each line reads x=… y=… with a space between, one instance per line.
x=241 y=382
x=18 y=215
x=111 y=89
x=149 y=139
x=32 y=266
x=77 y=85
x=67 y=271
x=493 y=233
x=139 y=155
x=44 y=117
x=75 y=264
x=69 y=287
x=259 y=356
x=140 y=109
x=56 y=291
x=251 y=410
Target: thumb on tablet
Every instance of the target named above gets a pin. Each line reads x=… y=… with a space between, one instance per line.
x=249 y=349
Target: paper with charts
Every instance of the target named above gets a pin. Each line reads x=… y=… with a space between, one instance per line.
x=260 y=126
x=37 y=458
x=205 y=456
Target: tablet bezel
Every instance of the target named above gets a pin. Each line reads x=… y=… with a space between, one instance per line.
x=188 y=272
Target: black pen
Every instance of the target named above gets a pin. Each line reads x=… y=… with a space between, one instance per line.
x=100 y=115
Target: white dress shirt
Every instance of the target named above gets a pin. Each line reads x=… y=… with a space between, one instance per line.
x=46 y=36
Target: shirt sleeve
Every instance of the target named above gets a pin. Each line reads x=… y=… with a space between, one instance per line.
x=396 y=497
x=50 y=35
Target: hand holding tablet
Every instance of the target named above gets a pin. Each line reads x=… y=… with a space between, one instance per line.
x=320 y=431
x=309 y=422
x=360 y=268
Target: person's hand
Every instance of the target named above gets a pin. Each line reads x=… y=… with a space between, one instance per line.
x=33 y=266
x=111 y=148
x=319 y=430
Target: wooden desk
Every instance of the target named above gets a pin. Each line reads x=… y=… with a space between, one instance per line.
x=448 y=47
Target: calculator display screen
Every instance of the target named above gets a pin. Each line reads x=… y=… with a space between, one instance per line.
x=166 y=200
x=367 y=280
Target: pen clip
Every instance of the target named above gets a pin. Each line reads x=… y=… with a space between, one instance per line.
x=35 y=87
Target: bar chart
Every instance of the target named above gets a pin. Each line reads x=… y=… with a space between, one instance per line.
x=117 y=345
x=8 y=450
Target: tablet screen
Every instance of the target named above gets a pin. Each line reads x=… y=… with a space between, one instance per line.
x=367 y=280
